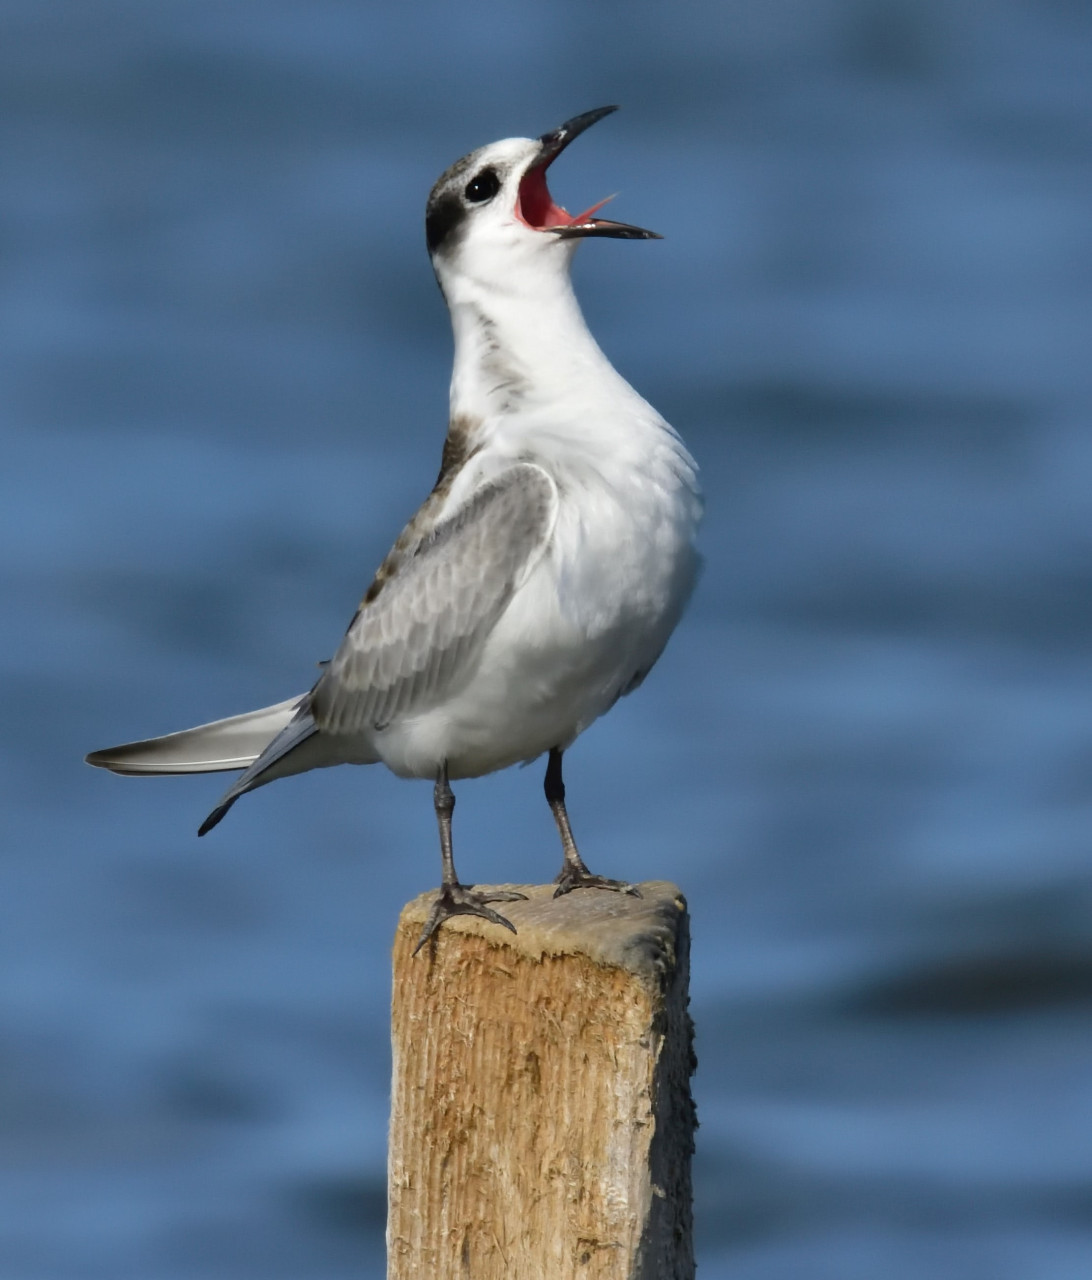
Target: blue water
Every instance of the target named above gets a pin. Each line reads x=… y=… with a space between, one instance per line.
x=866 y=756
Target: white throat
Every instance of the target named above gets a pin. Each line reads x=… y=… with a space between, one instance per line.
x=522 y=343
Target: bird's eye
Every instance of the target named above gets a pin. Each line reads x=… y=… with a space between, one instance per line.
x=483 y=186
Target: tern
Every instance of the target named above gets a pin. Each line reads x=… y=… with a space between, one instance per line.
x=540 y=579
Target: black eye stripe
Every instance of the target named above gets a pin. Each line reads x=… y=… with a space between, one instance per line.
x=482 y=187
x=443 y=219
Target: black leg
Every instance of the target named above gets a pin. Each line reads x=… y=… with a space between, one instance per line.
x=443 y=799
x=455 y=899
x=574 y=874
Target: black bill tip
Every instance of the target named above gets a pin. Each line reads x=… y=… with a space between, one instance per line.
x=603 y=227
x=554 y=142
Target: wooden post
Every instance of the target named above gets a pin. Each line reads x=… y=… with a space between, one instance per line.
x=541 y=1120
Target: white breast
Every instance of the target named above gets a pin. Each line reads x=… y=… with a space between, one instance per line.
x=594 y=613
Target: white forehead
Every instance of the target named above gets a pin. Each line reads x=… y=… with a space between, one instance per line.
x=507 y=153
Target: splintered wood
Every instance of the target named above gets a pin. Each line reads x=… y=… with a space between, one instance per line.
x=541 y=1120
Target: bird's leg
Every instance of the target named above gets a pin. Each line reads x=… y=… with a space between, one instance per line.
x=574 y=874
x=455 y=899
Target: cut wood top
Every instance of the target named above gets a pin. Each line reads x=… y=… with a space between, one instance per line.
x=616 y=929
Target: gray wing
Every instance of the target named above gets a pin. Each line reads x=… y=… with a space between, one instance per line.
x=427 y=624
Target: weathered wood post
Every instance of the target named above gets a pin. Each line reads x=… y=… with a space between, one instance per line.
x=541 y=1119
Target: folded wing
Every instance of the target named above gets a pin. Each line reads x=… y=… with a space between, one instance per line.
x=412 y=643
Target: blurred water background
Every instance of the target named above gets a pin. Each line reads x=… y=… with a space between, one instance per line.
x=866 y=756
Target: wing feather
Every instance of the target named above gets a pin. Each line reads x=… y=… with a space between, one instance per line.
x=417 y=637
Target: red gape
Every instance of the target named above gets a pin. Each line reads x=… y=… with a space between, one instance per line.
x=535 y=206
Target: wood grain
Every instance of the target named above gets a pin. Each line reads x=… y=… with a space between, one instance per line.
x=541 y=1120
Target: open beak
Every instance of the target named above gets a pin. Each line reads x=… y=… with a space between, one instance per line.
x=535 y=206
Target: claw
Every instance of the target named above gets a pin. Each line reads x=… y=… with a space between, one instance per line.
x=463 y=900
x=571 y=878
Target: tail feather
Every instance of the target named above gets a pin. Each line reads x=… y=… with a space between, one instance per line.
x=294 y=734
x=233 y=743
